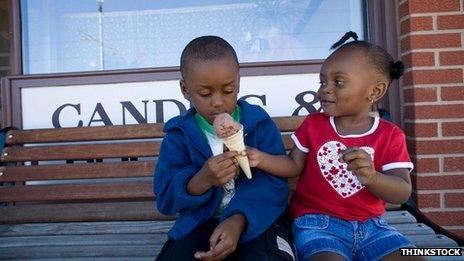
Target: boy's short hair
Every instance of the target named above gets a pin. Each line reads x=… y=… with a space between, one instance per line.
x=205 y=48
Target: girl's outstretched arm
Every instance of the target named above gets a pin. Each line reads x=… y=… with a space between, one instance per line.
x=278 y=165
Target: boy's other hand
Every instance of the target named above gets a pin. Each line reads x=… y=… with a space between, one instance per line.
x=254 y=156
x=360 y=164
x=218 y=170
x=224 y=239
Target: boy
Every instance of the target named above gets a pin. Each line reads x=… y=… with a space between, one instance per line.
x=221 y=213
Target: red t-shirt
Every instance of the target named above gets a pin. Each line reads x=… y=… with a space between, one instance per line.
x=326 y=186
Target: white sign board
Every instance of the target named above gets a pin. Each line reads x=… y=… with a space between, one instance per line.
x=154 y=101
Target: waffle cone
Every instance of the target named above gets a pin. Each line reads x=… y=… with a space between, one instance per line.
x=236 y=142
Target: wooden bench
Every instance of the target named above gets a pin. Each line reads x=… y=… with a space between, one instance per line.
x=86 y=193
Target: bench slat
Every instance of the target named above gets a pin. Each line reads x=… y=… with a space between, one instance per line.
x=133 y=250
x=414 y=229
x=77 y=192
x=124 y=258
x=118 y=132
x=79 y=171
x=288 y=124
x=399 y=217
x=287 y=140
x=70 y=212
x=85 y=228
x=81 y=152
x=132 y=227
x=69 y=240
x=432 y=241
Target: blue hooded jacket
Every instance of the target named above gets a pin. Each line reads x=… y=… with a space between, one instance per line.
x=183 y=152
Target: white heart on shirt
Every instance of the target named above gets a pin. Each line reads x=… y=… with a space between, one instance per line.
x=335 y=172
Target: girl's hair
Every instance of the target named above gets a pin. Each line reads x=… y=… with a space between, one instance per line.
x=377 y=56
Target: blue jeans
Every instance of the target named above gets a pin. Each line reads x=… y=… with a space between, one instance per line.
x=354 y=240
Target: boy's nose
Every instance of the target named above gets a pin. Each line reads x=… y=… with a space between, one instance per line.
x=217 y=101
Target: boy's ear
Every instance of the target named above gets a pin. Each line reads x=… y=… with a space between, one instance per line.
x=378 y=91
x=184 y=90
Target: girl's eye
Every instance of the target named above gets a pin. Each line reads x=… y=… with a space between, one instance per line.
x=322 y=84
x=338 y=82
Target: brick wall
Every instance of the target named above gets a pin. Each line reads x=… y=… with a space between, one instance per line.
x=431 y=40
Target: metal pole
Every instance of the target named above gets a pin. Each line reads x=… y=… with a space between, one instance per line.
x=100 y=30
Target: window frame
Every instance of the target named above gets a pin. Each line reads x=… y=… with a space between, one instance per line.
x=381 y=28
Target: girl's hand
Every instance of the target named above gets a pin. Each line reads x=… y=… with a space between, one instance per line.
x=360 y=164
x=224 y=239
x=218 y=170
x=254 y=156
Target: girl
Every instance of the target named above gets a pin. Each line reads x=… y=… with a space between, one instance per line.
x=352 y=163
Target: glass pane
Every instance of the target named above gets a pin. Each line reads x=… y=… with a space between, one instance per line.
x=92 y=35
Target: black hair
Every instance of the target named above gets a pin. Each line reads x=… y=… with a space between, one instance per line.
x=377 y=56
x=205 y=48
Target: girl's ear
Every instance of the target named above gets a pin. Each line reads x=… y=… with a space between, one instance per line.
x=378 y=91
x=184 y=90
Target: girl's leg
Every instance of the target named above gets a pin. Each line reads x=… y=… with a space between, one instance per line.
x=321 y=237
x=381 y=241
x=327 y=256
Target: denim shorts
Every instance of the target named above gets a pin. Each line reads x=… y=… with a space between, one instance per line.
x=354 y=240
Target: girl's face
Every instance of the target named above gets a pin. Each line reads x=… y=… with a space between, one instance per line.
x=212 y=87
x=347 y=81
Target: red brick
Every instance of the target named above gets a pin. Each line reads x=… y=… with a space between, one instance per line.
x=434 y=111
x=452 y=58
x=454 y=218
x=433 y=6
x=454 y=200
x=427 y=200
x=453 y=128
x=436 y=147
x=450 y=22
x=413 y=24
x=428 y=41
x=439 y=182
x=427 y=165
x=419 y=59
x=454 y=164
x=432 y=76
x=403 y=9
x=421 y=129
x=452 y=93
x=420 y=95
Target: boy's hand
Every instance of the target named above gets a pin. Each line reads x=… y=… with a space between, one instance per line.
x=224 y=239
x=360 y=164
x=218 y=170
x=254 y=156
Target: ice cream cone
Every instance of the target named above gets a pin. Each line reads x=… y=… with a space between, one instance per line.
x=236 y=142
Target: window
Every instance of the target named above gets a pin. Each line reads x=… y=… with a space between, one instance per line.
x=94 y=35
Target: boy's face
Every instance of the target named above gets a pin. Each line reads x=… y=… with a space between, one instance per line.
x=212 y=86
x=347 y=84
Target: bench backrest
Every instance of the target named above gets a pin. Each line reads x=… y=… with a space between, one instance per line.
x=86 y=174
